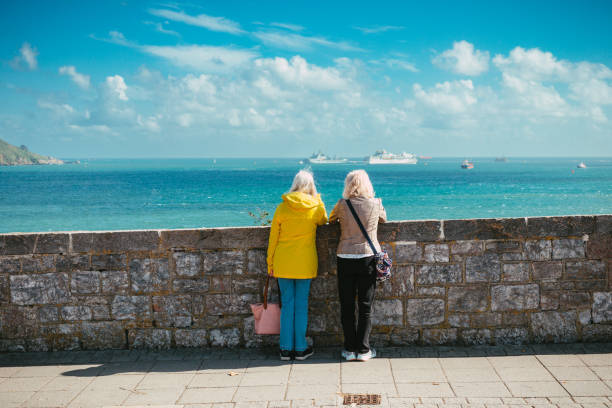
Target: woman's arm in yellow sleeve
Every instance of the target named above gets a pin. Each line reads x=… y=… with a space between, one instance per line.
x=322 y=215
x=273 y=240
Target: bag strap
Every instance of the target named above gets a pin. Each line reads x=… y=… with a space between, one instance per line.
x=363 y=230
x=265 y=301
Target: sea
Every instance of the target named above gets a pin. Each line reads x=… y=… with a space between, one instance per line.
x=125 y=194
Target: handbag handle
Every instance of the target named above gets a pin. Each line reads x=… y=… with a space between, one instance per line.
x=265 y=301
x=363 y=230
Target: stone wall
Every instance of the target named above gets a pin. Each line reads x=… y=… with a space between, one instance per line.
x=484 y=281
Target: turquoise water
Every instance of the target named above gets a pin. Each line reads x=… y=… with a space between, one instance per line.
x=184 y=193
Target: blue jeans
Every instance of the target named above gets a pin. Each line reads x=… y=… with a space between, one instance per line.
x=294 y=313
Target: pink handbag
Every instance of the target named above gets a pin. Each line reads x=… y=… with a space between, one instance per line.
x=267 y=315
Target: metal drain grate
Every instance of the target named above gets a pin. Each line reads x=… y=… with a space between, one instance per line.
x=362 y=399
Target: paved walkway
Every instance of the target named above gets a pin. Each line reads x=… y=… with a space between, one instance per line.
x=565 y=376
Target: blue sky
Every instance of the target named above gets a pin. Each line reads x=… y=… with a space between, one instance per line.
x=252 y=78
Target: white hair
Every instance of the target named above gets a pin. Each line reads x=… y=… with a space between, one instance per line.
x=357 y=184
x=304 y=182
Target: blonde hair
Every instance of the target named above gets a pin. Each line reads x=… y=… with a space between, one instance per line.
x=304 y=182
x=357 y=184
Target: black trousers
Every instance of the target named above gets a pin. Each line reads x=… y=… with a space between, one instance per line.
x=356 y=277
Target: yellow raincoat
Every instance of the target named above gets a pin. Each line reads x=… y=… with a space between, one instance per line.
x=292 y=252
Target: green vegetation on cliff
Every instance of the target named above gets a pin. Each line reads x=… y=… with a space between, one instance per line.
x=13 y=156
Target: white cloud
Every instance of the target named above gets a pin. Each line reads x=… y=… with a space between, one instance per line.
x=201 y=57
x=463 y=59
x=27 y=55
x=448 y=97
x=297 y=72
x=532 y=64
x=80 y=79
x=149 y=123
x=219 y=24
x=58 y=108
x=159 y=27
x=292 y=27
x=298 y=42
x=379 y=29
x=396 y=63
x=536 y=97
x=117 y=87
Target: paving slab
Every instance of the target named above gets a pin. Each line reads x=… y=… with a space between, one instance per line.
x=215 y=380
x=587 y=388
x=260 y=393
x=483 y=375
x=573 y=373
x=205 y=395
x=481 y=390
x=430 y=389
x=162 y=380
x=419 y=375
x=560 y=360
x=159 y=396
x=99 y=398
x=536 y=389
x=24 y=384
x=54 y=398
x=295 y=392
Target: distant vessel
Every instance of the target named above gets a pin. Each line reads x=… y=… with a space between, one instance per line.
x=425 y=157
x=582 y=165
x=501 y=159
x=320 y=158
x=384 y=157
x=467 y=165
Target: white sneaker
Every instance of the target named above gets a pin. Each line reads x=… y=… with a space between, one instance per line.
x=348 y=355
x=366 y=356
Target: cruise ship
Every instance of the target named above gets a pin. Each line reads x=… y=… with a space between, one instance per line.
x=384 y=157
x=320 y=158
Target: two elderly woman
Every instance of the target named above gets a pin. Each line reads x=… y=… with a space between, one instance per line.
x=292 y=258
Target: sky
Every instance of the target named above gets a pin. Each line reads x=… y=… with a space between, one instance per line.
x=118 y=79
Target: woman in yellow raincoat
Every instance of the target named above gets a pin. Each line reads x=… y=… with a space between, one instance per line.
x=292 y=258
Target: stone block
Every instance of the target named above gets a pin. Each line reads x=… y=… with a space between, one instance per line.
x=503 y=246
x=76 y=313
x=459 y=320
x=220 y=284
x=602 y=307
x=223 y=304
x=99 y=305
x=52 y=243
x=63 y=336
x=388 y=313
x=201 y=285
x=438 y=274
x=540 y=250
x=215 y=238
x=585 y=317
x=47 y=314
x=256 y=262
x=109 y=262
x=157 y=339
x=599 y=246
x=549 y=301
x=408 y=251
x=223 y=262
x=10 y=264
x=547 y=271
x=483 y=268
x=555 y=327
x=48 y=288
x=116 y=241
x=568 y=248
x=403 y=337
x=103 y=335
x=172 y=311
x=131 y=307
x=17 y=244
x=85 y=283
x=515 y=272
x=487 y=319
x=114 y=282
x=67 y=263
x=418 y=231
x=514 y=319
x=468 y=298
x=187 y=264
x=470 y=247
x=431 y=291
x=588 y=285
x=38 y=263
x=585 y=270
x=225 y=337
x=436 y=253
x=513 y=335
x=600 y=333
x=424 y=312
x=191 y=338
x=513 y=256
x=560 y=226
x=4 y=289
x=149 y=274
x=604 y=224
x=487 y=228
x=515 y=297
x=439 y=337
x=475 y=337
x=318 y=287
x=575 y=300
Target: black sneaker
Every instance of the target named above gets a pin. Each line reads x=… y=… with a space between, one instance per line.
x=303 y=355
x=285 y=355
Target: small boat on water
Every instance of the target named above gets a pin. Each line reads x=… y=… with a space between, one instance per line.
x=320 y=158
x=384 y=157
x=501 y=159
x=467 y=165
x=582 y=165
